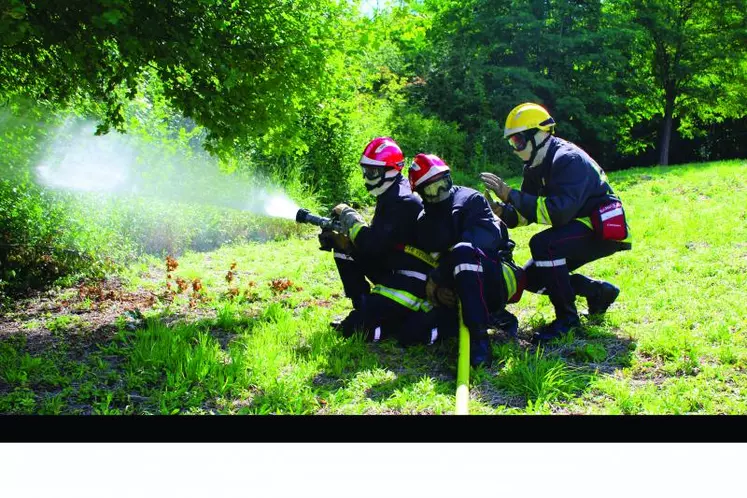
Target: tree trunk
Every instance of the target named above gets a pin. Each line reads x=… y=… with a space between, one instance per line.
x=666 y=129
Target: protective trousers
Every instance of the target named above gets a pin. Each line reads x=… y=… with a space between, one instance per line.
x=394 y=308
x=558 y=251
x=382 y=318
x=480 y=285
x=353 y=273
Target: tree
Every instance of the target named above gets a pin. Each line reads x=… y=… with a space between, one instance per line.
x=685 y=57
x=490 y=55
x=240 y=68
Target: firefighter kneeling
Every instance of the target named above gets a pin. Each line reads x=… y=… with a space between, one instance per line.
x=474 y=249
x=382 y=254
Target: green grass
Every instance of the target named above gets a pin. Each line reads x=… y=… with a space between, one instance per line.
x=674 y=342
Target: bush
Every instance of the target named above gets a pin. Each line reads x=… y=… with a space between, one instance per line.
x=417 y=133
x=38 y=242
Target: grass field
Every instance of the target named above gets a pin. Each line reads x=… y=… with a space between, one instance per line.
x=244 y=329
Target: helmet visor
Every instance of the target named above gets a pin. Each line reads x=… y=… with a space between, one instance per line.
x=437 y=190
x=373 y=173
x=518 y=141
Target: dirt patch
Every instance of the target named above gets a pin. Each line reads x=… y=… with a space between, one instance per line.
x=487 y=393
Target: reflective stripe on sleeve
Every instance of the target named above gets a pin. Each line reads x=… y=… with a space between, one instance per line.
x=510 y=279
x=550 y=263
x=413 y=274
x=466 y=267
x=462 y=244
x=354 y=230
x=586 y=221
x=377 y=334
x=543 y=216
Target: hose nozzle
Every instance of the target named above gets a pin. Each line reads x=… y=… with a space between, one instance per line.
x=305 y=216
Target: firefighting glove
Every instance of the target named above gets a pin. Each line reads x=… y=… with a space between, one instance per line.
x=439 y=296
x=329 y=239
x=496 y=207
x=497 y=185
x=348 y=217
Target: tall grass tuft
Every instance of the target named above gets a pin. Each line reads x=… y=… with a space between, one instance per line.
x=540 y=378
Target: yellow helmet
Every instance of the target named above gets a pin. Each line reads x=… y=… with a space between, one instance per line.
x=526 y=117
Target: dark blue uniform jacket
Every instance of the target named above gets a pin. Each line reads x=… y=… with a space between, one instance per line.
x=392 y=226
x=464 y=217
x=568 y=184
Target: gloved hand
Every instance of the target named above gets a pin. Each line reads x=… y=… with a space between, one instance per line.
x=331 y=239
x=348 y=217
x=338 y=209
x=439 y=296
x=447 y=297
x=497 y=185
x=496 y=207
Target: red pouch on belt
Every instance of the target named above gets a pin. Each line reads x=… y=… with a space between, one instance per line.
x=608 y=221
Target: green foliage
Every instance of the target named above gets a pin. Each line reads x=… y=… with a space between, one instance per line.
x=288 y=93
x=185 y=356
x=487 y=56
x=39 y=242
x=240 y=68
x=540 y=378
x=687 y=58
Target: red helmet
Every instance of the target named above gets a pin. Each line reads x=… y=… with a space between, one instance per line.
x=430 y=176
x=424 y=167
x=384 y=152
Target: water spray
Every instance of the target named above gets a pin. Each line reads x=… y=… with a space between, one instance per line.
x=77 y=161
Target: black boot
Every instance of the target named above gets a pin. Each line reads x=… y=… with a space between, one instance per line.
x=339 y=323
x=505 y=320
x=480 y=351
x=603 y=298
x=557 y=328
x=354 y=321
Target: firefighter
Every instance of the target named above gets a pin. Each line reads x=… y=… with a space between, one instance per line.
x=474 y=264
x=382 y=253
x=565 y=188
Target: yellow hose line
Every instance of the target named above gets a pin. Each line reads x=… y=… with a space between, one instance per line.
x=462 y=391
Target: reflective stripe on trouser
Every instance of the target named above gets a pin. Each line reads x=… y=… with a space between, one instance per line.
x=383 y=318
x=409 y=301
x=426 y=328
x=346 y=257
x=353 y=276
x=479 y=283
x=559 y=250
x=413 y=274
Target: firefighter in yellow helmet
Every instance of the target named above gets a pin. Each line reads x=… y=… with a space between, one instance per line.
x=563 y=187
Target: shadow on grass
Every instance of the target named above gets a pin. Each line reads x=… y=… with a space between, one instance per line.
x=526 y=376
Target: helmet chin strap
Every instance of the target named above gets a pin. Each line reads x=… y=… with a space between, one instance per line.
x=538 y=151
